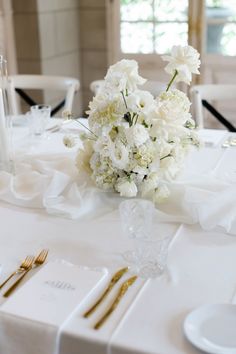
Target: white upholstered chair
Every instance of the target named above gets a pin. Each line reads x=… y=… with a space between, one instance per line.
x=19 y=83
x=154 y=87
x=202 y=94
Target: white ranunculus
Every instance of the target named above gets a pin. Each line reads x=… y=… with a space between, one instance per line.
x=123 y=76
x=136 y=135
x=185 y=60
x=126 y=188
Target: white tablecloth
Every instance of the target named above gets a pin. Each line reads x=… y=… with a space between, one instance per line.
x=201 y=270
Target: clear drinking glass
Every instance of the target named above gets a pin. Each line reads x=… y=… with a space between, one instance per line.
x=151 y=254
x=148 y=256
x=40 y=115
x=136 y=220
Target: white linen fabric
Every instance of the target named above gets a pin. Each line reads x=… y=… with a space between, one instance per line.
x=204 y=193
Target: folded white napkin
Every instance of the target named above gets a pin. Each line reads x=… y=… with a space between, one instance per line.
x=33 y=318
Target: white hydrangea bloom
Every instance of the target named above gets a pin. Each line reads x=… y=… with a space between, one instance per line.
x=185 y=60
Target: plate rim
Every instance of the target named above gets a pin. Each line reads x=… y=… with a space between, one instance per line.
x=197 y=344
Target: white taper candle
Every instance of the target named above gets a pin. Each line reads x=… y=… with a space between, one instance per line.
x=4 y=141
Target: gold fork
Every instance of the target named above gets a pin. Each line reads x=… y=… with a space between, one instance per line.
x=39 y=260
x=24 y=266
x=116 y=277
x=124 y=287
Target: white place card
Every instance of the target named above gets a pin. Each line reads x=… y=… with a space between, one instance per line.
x=53 y=293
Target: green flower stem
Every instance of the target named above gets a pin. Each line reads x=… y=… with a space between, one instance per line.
x=164 y=157
x=172 y=80
x=124 y=99
x=86 y=128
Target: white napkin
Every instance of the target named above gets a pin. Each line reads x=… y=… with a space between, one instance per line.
x=33 y=318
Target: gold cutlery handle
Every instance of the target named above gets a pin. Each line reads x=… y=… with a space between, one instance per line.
x=15 y=284
x=123 y=289
x=116 y=277
x=98 y=302
x=10 y=276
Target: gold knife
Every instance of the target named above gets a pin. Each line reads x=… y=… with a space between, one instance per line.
x=116 y=277
x=124 y=287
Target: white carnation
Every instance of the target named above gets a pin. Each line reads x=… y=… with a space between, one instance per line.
x=136 y=135
x=185 y=60
x=123 y=76
x=126 y=188
x=174 y=107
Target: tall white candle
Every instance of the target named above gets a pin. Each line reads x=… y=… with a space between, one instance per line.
x=4 y=143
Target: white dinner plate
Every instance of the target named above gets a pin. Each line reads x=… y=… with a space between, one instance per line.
x=212 y=328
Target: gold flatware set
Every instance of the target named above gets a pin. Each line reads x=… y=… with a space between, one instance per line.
x=121 y=292
x=28 y=264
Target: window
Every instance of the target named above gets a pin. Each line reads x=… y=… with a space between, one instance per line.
x=221 y=26
x=152 y=26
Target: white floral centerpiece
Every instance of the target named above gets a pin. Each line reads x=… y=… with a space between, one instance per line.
x=136 y=143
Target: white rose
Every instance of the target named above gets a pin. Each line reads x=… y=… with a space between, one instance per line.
x=123 y=76
x=126 y=188
x=185 y=60
x=136 y=135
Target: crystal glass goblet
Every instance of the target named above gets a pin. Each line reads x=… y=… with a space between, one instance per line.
x=136 y=220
